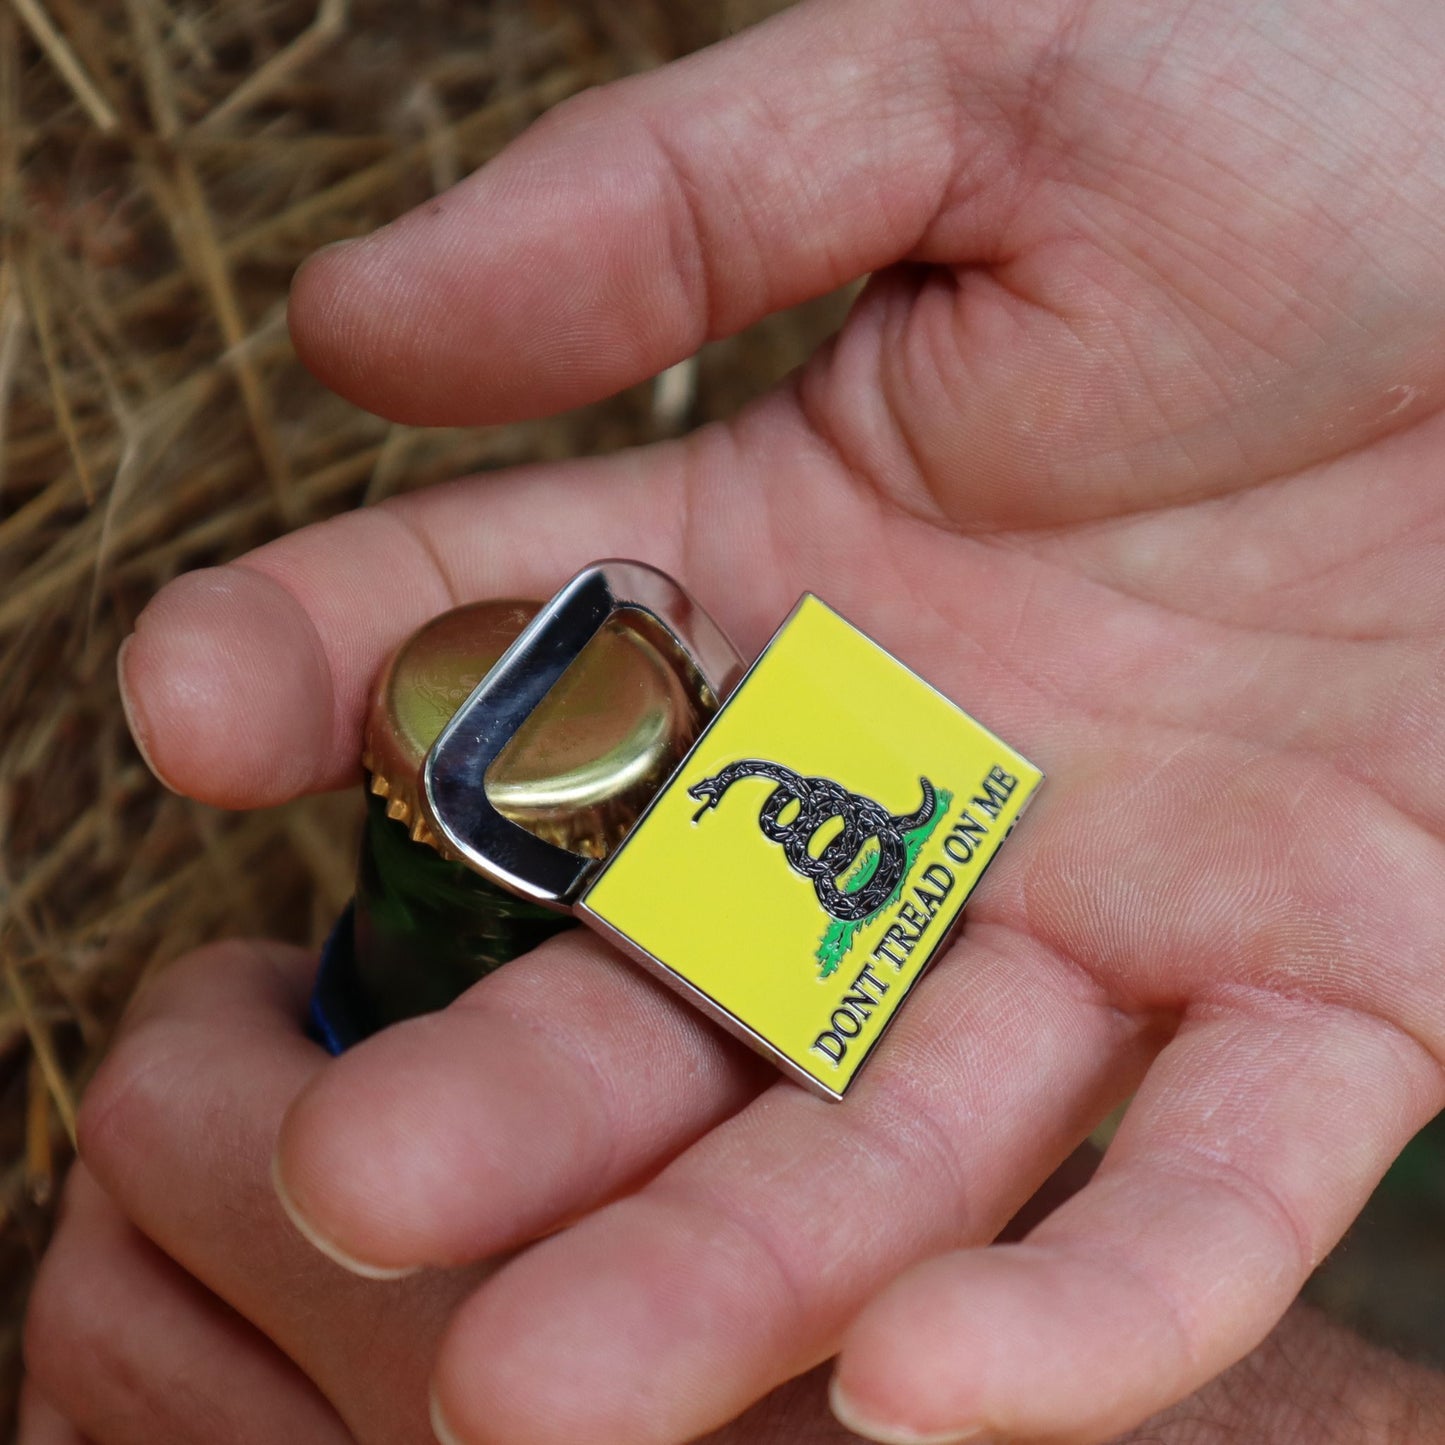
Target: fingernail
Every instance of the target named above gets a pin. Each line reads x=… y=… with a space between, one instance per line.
x=133 y=718
x=439 y=1427
x=850 y=1417
x=319 y=1241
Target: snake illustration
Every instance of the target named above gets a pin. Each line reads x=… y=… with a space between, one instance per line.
x=819 y=801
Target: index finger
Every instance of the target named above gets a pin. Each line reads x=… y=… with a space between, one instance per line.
x=246 y=685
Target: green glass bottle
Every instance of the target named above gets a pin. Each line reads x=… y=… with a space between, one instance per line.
x=424 y=927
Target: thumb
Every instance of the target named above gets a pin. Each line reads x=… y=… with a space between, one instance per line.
x=637 y=221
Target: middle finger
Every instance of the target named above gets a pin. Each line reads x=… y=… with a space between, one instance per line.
x=670 y=1311
x=545 y=1089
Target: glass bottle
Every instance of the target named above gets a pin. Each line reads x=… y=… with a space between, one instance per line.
x=424 y=927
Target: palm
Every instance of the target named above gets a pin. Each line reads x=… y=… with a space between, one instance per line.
x=1134 y=456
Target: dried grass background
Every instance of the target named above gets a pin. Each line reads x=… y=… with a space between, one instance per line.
x=164 y=167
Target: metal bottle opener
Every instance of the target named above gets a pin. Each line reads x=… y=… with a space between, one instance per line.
x=806 y=861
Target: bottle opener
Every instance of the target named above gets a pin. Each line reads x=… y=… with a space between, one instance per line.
x=806 y=861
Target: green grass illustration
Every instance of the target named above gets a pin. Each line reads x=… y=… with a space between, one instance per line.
x=835 y=943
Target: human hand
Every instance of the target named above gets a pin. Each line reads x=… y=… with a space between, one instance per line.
x=177 y=1305
x=186 y=1309
x=1131 y=447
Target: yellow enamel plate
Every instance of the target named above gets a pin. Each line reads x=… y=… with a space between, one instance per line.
x=808 y=859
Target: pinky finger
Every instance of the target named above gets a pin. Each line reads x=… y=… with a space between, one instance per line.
x=136 y=1352
x=1250 y=1148
x=40 y=1423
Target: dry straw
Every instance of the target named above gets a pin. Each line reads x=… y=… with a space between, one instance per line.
x=164 y=166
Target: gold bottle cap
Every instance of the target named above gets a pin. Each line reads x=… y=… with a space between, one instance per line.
x=582 y=768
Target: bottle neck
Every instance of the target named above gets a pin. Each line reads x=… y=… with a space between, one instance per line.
x=426 y=927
